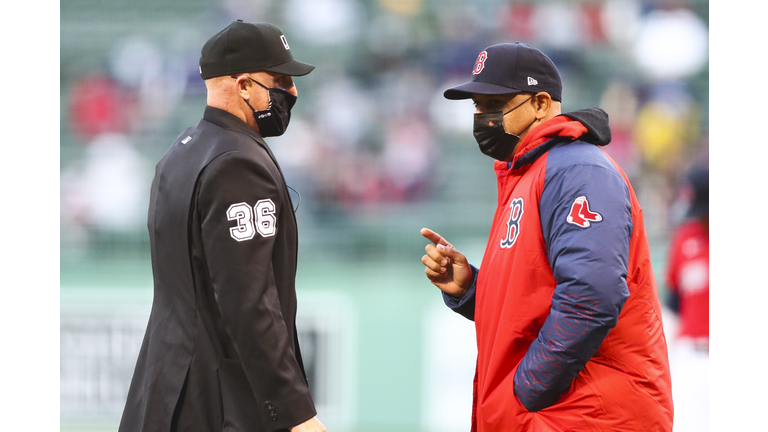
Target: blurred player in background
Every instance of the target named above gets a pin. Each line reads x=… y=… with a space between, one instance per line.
x=688 y=298
x=221 y=350
x=565 y=304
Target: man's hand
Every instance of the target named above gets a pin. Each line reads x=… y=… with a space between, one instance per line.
x=311 y=425
x=447 y=268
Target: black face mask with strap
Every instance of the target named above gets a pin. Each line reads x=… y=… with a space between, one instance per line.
x=491 y=137
x=274 y=120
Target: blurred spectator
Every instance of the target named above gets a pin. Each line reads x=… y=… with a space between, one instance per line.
x=109 y=192
x=620 y=102
x=622 y=20
x=403 y=92
x=592 y=24
x=517 y=21
x=667 y=125
x=450 y=118
x=406 y=158
x=99 y=104
x=688 y=299
x=459 y=34
x=397 y=172
x=357 y=180
x=558 y=25
x=156 y=79
x=344 y=110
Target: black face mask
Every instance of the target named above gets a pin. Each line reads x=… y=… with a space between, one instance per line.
x=274 y=120
x=490 y=135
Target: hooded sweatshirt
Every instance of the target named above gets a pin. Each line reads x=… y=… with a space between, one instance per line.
x=565 y=304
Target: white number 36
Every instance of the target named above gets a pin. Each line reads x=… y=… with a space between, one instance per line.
x=246 y=228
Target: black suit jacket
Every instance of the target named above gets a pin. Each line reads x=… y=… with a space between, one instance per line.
x=220 y=351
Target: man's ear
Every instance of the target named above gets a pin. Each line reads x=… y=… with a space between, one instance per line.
x=542 y=102
x=242 y=84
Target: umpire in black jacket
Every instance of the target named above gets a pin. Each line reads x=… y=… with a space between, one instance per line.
x=221 y=351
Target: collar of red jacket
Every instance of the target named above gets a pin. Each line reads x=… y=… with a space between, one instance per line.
x=559 y=126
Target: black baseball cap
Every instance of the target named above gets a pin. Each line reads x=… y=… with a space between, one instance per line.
x=510 y=68
x=249 y=47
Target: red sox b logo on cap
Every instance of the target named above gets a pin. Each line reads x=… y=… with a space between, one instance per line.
x=581 y=215
x=480 y=63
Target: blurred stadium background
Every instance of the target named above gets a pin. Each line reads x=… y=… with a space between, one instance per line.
x=375 y=152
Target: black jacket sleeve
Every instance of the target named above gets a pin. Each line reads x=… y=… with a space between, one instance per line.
x=239 y=205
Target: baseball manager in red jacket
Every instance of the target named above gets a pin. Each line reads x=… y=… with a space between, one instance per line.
x=565 y=304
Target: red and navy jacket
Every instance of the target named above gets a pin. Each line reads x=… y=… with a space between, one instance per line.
x=565 y=304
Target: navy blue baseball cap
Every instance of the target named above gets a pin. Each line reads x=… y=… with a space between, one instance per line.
x=249 y=47
x=510 y=68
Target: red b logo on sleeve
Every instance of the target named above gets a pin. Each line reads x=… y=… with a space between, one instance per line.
x=581 y=215
x=480 y=63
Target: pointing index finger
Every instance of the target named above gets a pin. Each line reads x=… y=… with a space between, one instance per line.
x=434 y=237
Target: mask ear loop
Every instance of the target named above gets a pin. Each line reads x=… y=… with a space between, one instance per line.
x=235 y=77
x=263 y=86
x=529 y=125
x=521 y=104
x=297 y=193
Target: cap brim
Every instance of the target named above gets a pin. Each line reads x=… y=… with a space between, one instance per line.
x=292 y=68
x=465 y=91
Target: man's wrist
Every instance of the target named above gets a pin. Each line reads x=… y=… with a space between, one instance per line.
x=460 y=295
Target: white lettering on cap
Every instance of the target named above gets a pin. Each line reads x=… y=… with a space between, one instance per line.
x=285 y=41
